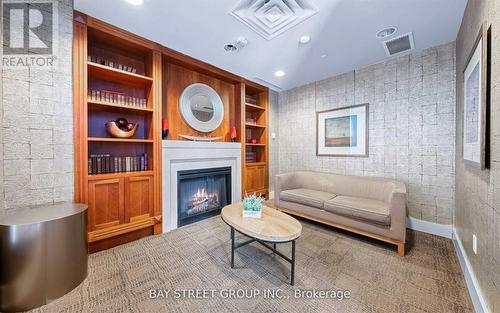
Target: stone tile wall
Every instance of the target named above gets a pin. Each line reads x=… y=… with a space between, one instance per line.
x=411 y=132
x=36 y=151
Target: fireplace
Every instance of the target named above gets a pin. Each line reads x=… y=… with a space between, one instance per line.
x=180 y=156
x=202 y=193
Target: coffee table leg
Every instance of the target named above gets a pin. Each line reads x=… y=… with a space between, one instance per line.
x=232 y=247
x=293 y=264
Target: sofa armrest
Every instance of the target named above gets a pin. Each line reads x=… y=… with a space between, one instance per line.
x=398 y=211
x=281 y=182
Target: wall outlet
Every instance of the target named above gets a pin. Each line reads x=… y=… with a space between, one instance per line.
x=474 y=243
x=273 y=135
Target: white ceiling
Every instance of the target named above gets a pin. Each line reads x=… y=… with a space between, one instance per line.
x=344 y=29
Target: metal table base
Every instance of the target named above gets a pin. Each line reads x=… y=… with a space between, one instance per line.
x=264 y=243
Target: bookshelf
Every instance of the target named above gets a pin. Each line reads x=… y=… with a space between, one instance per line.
x=97 y=105
x=120 y=75
x=254 y=130
x=116 y=75
x=133 y=140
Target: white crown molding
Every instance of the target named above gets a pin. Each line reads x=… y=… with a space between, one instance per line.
x=470 y=277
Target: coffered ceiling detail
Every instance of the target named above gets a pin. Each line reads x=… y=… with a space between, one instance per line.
x=270 y=18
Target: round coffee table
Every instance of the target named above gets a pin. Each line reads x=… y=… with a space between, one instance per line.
x=273 y=227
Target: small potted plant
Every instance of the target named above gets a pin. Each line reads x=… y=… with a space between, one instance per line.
x=252 y=206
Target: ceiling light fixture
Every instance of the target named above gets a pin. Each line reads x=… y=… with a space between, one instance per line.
x=241 y=42
x=135 y=2
x=230 y=47
x=386 y=32
x=324 y=55
x=305 y=39
x=279 y=73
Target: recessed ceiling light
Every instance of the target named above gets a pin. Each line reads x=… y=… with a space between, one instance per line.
x=304 y=39
x=386 y=32
x=135 y=2
x=324 y=55
x=279 y=73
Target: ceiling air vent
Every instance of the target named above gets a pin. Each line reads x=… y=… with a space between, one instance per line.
x=399 y=45
x=269 y=18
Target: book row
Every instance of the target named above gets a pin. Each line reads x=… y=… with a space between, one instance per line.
x=116 y=98
x=105 y=163
x=250 y=156
x=106 y=62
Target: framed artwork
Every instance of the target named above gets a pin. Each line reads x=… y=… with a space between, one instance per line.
x=343 y=131
x=475 y=102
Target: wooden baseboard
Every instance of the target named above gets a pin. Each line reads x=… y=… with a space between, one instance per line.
x=119 y=240
x=120 y=229
x=400 y=245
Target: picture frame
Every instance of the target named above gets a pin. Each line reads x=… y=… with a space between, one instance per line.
x=343 y=132
x=475 y=102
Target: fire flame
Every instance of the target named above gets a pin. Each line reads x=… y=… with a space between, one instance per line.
x=201 y=195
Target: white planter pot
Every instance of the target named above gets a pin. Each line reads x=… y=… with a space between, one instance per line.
x=252 y=214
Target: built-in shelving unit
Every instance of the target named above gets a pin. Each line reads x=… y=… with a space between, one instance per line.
x=255 y=149
x=96 y=105
x=253 y=108
x=117 y=75
x=113 y=74
x=118 y=175
x=121 y=75
x=93 y=139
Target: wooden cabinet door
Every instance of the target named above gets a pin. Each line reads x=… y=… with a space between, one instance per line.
x=256 y=178
x=106 y=203
x=139 y=198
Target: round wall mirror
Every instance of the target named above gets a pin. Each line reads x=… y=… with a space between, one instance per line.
x=201 y=107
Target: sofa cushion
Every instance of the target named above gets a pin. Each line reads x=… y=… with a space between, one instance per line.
x=308 y=197
x=369 y=210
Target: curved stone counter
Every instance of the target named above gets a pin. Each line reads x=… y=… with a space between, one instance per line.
x=43 y=254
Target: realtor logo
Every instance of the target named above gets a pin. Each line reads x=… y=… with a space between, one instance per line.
x=28 y=33
x=27 y=27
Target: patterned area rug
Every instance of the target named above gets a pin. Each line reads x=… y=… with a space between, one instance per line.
x=191 y=264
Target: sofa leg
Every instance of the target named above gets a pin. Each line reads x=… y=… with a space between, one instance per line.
x=401 y=249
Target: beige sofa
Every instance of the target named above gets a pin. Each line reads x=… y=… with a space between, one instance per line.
x=374 y=207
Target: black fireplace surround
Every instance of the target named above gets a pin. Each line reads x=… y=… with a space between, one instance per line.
x=202 y=193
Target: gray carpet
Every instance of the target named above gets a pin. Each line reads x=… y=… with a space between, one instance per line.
x=427 y=279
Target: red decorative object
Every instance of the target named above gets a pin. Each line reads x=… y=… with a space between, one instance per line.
x=253 y=140
x=164 y=129
x=233 y=134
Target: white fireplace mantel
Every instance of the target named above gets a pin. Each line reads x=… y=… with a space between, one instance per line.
x=178 y=155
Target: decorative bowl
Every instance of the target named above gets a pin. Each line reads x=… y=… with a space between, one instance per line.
x=117 y=132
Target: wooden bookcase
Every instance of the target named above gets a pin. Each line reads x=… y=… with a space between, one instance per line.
x=254 y=138
x=123 y=205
